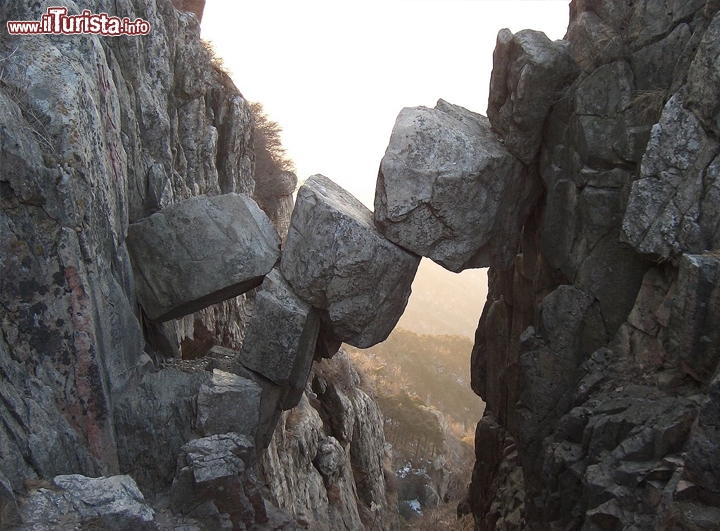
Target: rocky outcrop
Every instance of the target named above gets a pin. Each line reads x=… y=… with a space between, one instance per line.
x=325 y=464
x=229 y=250
x=125 y=188
x=528 y=72
x=595 y=352
x=335 y=259
x=228 y=403
x=113 y=503
x=449 y=190
x=96 y=137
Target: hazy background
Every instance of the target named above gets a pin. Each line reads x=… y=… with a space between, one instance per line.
x=335 y=74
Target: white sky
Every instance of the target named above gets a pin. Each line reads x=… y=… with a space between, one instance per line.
x=335 y=74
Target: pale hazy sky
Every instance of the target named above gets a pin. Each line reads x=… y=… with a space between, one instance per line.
x=335 y=74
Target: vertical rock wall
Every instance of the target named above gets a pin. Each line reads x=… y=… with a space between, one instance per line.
x=597 y=352
x=98 y=133
x=325 y=465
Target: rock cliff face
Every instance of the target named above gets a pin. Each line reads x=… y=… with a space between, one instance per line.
x=597 y=351
x=326 y=465
x=126 y=171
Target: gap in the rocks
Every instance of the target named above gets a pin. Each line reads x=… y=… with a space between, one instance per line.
x=420 y=377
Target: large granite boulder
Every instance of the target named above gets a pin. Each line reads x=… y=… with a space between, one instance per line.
x=281 y=337
x=336 y=260
x=199 y=252
x=528 y=71
x=449 y=190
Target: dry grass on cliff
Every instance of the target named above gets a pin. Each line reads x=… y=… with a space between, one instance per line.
x=648 y=105
x=9 y=517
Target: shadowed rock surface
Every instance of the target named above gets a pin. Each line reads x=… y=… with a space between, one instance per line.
x=595 y=352
x=281 y=338
x=528 y=72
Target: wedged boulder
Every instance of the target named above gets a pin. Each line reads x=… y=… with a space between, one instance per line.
x=228 y=403
x=199 y=252
x=450 y=191
x=114 y=503
x=673 y=207
x=528 y=71
x=336 y=260
x=281 y=337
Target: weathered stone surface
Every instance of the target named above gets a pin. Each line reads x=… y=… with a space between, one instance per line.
x=672 y=207
x=704 y=77
x=528 y=72
x=228 y=403
x=702 y=459
x=231 y=247
x=655 y=64
x=8 y=503
x=196 y=7
x=325 y=469
x=281 y=337
x=153 y=421
x=216 y=470
x=594 y=42
x=336 y=260
x=693 y=335
x=115 y=503
x=95 y=135
x=449 y=190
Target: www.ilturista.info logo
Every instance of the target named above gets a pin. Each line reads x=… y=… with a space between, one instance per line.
x=57 y=22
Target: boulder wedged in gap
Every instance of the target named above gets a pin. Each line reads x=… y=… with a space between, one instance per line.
x=199 y=252
x=336 y=260
x=528 y=71
x=449 y=190
x=281 y=337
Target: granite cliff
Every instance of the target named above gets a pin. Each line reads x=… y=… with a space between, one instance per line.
x=597 y=351
x=129 y=250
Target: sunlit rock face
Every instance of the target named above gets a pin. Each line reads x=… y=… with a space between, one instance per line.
x=337 y=261
x=449 y=190
x=596 y=352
